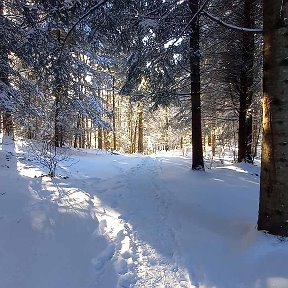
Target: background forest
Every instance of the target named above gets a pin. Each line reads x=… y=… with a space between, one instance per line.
x=119 y=77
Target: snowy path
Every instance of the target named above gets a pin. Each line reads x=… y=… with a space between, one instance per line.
x=142 y=243
x=132 y=222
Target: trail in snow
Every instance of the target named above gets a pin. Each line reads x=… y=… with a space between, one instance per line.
x=143 y=245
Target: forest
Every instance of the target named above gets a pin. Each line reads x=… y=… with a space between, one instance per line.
x=206 y=78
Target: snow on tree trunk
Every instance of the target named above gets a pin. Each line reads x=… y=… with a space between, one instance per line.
x=273 y=209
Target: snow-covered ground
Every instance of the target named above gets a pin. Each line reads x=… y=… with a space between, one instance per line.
x=133 y=221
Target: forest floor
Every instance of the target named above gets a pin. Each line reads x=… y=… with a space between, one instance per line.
x=122 y=220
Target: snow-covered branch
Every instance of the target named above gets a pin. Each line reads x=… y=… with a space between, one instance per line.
x=230 y=26
x=92 y=9
x=191 y=21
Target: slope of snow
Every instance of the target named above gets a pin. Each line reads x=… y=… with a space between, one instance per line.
x=133 y=221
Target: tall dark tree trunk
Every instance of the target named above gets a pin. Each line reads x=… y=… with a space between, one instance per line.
x=4 y=81
x=197 y=149
x=114 y=115
x=273 y=208
x=99 y=130
x=246 y=85
x=60 y=93
x=77 y=136
x=57 y=121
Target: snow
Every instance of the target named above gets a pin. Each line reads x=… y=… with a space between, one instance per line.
x=133 y=221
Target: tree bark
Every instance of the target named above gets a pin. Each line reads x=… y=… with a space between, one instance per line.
x=197 y=149
x=4 y=81
x=59 y=89
x=100 y=138
x=130 y=126
x=140 y=129
x=114 y=114
x=246 y=85
x=76 y=136
x=273 y=206
x=134 y=139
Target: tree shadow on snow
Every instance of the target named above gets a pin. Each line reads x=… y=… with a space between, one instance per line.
x=205 y=224
x=45 y=240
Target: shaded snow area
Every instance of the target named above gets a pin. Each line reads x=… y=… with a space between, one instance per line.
x=133 y=221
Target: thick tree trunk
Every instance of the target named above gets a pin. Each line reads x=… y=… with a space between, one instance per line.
x=273 y=208
x=242 y=128
x=197 y=149
x=4 y=81
x=246 y=84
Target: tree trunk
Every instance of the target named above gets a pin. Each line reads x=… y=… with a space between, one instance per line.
x=246 y=84
x=273 y=207
x=83 y=136
x=197 y=149
x=106 y=140
x=57 y=127
x=213 y=142
x=130 y=126
x=76 y=136
x=100 y=138
x=8 y=123
x=134 y=139
x=100 y=130
x=255 y=138
x=114 y=115
x=88 y=134
x=4 y=81
x=58 y=137
x=140 y=129
x=242 y=127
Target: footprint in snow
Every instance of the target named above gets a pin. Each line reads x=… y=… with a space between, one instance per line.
x=102 y=226
x=99 y=262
